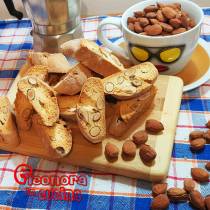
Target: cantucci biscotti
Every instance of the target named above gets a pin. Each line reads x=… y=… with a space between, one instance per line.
x=91 y=111
x=24 y=111
x=42 y=97
x=57 y=139
x=145 y=71
x=127 y=111
x=67 y=106
x=132 y=82
x=56 y=63
x=72 y=82
x=8 y=130
x=39 y=71
x=92 y=56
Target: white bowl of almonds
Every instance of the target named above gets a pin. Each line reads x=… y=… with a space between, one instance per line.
x=165 y=32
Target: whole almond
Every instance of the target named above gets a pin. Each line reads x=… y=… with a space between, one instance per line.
x=178 y=31
x=206 y=136
x=131 y=20
x=196 y=135
x=185 y=21
x=111 y=151
x=184 y=13
x=143 y=21
x=147 y=153
x=154 y=126
x=199 y=174
x=140 y=137
x=176 y=194
x=151 y=15
x=208 y=124
x=169 y=12
x=137 y=27
x=131 y=26
x=151 y=8
x=197 y=144
x=197 y=200
x=175 y=6
x=175 y=22
x=139 y=14
x=160 y=16
x=161 y=5
x=192 y=24
x=154 y=21
x=153 y=30
x=207 y=166
x=129 y=148
x=207 y=202
x=189 y=185
x=159 y=188
x=166 y=27
x=160 y=202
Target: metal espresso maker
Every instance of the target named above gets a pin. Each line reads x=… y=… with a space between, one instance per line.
x=53 y=21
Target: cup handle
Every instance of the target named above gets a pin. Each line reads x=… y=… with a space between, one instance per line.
x=115 y=48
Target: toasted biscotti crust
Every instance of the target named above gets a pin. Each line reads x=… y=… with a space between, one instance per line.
x=56 y=139
x=130 y=109
x=24 y=111
x=67 y=106
x=72 y=82
x=91 y=111
x=92 y=56
x=127 y=111
x=42 y=98
x=8 y=131
x=38 y=71
x=56 y=63
x=145 y=71
x=124 y=86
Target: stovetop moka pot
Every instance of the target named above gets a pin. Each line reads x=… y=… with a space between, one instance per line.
x=53 y=22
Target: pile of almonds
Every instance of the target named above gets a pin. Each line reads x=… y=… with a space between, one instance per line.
x=163 y=197
x=139 y=139
x=161 y=19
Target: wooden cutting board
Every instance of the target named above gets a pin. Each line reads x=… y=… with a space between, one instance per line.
x=165 y=108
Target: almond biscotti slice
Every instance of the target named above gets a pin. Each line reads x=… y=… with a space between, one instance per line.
x=92 y=56
x=42 y=98
x=124 y=86
x=57 y=62
x=130 y=109
x=72 y=82
x=127 y=111
x=39 y=71
x=24 y=111
x=8 y=131
x=67 y=106
x=57 y=139
x=145 y=71
x=90 y=111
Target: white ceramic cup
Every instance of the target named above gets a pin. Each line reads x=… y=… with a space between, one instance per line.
x=187 y=40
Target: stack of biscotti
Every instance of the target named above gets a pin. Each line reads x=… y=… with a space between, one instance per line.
x=92 y=56
x=36 y=105
x=97 y=94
